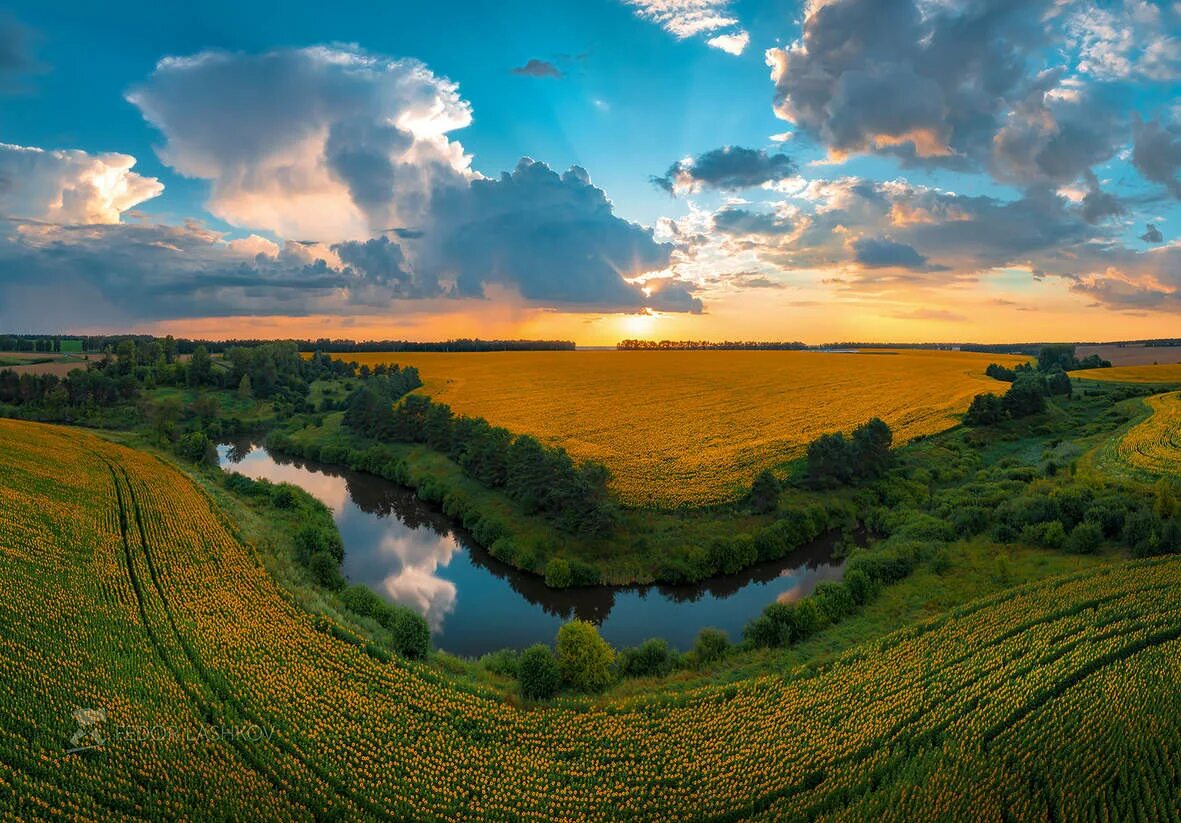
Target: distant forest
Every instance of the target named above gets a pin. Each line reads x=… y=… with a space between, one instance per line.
x=990 y=348
x=99 y=343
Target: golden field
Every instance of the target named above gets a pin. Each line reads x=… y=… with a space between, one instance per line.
x=1155 y=444
x=1164 y=373
x=695 y=427
x=127 y=594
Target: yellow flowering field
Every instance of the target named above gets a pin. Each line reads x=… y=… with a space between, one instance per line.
x=1164 y=373
x=135 y=626
x=695 y=427
x=1155 y=444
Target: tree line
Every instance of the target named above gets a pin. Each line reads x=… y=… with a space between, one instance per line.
x=542 y=479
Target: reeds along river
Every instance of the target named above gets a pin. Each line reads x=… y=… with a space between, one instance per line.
x=412 y=555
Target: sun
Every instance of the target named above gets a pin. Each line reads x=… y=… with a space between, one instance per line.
x=639 y=325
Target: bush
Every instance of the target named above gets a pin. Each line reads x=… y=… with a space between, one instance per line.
x=1084 y=538
x=764 y=492
x=325 y=570
x=412 y=636
x=507 y=663
x=584 y=658
x=311 y=540
x=539 y=673
x=652 y=658
x=197 y=448
x=711 y=644
x=558 y=574
x=362 y=600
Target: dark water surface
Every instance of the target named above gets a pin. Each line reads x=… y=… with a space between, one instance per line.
x=412 y=555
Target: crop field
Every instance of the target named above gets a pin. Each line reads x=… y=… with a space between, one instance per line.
x=695 y=427
x=1133 y=355
x=205 y=693
x=1155 y=444
x=1164 y=373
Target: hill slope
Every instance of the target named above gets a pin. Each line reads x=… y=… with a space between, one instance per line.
x=126 y=592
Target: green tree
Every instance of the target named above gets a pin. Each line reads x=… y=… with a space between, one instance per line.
x=200 y=367
x=244 y=390
x=539 y=673
x=871 y=447
x=711 y=644
x=584 y=658
x=412 y=636
x=764 y=492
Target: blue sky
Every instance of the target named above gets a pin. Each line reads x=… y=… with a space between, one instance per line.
x=1043 y=111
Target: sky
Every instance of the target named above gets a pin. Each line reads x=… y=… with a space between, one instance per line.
x=871 y=170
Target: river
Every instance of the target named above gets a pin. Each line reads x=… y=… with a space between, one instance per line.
x=411 y=554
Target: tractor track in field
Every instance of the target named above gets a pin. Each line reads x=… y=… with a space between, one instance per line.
x=204 y=707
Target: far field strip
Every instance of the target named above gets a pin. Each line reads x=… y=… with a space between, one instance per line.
x=695 y=427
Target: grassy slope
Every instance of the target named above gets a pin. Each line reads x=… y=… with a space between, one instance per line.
x=1052 y=700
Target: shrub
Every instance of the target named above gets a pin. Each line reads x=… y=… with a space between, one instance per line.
x=538 y=672
x=584 y=658
x=325 y=570
x=764 y=492
x=362 y=600
x=652 y=658
x=557 y=573
x=197 y=448
x=1084 y=538
x=711 y=644
x=311 y=540
x=506 y=662
x=412 y=636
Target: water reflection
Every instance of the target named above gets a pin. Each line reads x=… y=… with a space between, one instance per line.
x=474 y=603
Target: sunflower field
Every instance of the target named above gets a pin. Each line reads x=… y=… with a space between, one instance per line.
x=150 y=669
x=695 y=427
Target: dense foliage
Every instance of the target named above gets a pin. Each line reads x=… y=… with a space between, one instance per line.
x=541 y=478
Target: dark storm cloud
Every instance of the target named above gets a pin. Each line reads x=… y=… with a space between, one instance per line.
x=136 y=272
x=1156 y=153
x=538 y=68
x=729 y=168
x=1152 y=234
x=553 y=238
x=382 y=264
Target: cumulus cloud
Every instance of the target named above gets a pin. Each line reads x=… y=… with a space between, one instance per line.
x=881 y=252
x=1055 y=133
x=125 y=273
x=928 y=82
x=553 y=238
x=323 y=143
x=729 y=168
x=70 y=186
x=1135 y=39
x=689 y=18
x=538 y=68
x=1152 y=234
x=1156 y=153
x=878 y=237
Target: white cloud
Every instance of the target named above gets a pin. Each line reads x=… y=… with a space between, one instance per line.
x=70 y=186
x=320 y=143
x=730 y=43
x=689 y=18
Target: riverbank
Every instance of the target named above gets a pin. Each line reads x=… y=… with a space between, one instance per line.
x=647 y=546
